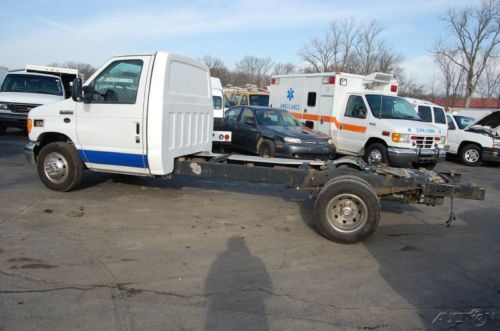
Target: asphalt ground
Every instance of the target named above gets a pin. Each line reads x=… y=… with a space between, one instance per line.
x=131 y=253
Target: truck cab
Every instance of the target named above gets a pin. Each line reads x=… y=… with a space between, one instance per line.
x=134 y=115
x=363 y=115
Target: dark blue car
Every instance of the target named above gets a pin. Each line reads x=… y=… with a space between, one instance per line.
x=273 y=132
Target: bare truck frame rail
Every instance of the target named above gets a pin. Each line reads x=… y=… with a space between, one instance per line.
x=347 y=207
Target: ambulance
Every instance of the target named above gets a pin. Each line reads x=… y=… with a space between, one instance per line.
x=363 y=115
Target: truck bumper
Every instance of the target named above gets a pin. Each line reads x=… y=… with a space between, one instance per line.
x=13 y=119
x=491 y=154
x=305 y=152
x=29 y=152
x=407 y=155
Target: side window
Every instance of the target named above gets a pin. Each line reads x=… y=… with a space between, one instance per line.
x=244 y=100
x=236 y=99
x=311 y=99
x=451 y=124
x=355 y=107
x=424 y=112
x=439 y=116
x=247 y=117
x=217 y=101
x=118 y=83
x=232 y=114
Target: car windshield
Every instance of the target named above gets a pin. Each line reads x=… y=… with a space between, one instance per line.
x=383 y=106
x=463 y=121
x=275 y=117
x=259 y=100
x=32 y=84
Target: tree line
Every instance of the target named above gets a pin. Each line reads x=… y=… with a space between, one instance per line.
x=468 y=58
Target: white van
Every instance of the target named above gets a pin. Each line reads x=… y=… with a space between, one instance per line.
x=218 y=97
x=430 y=113
x=363 y=115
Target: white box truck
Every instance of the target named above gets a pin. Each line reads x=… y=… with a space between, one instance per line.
x=363 y=115
x=161 y=124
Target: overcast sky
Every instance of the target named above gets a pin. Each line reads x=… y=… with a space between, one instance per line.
x=46 y=31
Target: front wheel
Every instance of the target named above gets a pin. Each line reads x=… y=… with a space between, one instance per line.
x=376 y=154
x=266 y=148
x=470 y=155
x=347 y=209
x=59 y=166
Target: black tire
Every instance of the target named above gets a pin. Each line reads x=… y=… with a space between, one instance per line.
x=470 y=155
x=266 y=148
x=428 y=166
x=376 y=154
x=343 y=195
x=59 y=166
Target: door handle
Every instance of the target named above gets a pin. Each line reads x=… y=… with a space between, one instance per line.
x=65 y=112
x=321 y=120
x=137 y=128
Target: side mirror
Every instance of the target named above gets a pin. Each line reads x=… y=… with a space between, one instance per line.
x=76 y=90
x=88 y=91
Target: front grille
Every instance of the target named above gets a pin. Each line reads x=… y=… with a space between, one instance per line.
x=316 y=142
x=21 y=107
x=424 y=142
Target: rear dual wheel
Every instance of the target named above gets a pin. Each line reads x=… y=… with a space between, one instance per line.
x=347 y=209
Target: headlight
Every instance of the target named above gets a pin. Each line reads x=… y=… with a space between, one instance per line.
x=330 y=141
x=496 y=143
x=4 y=106
x=292 y=140
x=400 y=138
x=443 y=140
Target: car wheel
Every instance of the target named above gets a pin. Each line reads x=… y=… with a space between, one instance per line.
x=266 y=148
x=347 y=209
x=59 y=166
x=470 y=155
x=376 y=154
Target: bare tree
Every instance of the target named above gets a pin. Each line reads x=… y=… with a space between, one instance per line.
x=85 y=69
x=353 y=48
x=318 y=54
x=217 y=68
x=409 y=87
x=489 y=85
x=284 y=69
x=256 y=70
x=475 y=31
x=452 y=78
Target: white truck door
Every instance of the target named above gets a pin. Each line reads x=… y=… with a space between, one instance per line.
x=352 y=125
x=111 y=121
x=325 y=118
x=454 y=133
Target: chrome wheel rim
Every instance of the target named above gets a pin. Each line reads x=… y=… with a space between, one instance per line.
x=347 y=212
x=55 y=167
x=375 y=157
x=472 y=155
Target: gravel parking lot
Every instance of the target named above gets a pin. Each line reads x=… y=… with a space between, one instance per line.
x=131 y=253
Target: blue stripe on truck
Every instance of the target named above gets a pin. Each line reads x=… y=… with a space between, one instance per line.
x=118 y=159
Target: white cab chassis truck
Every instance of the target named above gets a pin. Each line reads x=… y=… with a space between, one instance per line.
x=363 y=115
x=152 y=115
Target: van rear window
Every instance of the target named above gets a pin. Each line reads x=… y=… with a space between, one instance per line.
x=439 y=116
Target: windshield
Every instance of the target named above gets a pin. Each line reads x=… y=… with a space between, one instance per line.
x=463 y=121
x=259 y=100
x=275 y=117
x=383 y=106
x=32 y=84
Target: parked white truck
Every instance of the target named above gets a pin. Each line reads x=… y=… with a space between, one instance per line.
x=363 y=115
x=161 y=124
x=31 y=87
x=474 y=141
